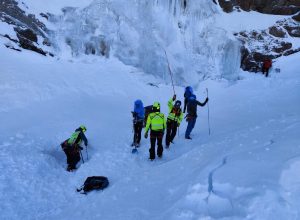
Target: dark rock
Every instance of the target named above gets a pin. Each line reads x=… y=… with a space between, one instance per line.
x=278 y=7
x=27 y=34
x=11 y=47
x=284 y=10
x=11 y=39
x=283 y=47
x=227 y=6
x=294 y=31
x=277 y=32
x=44 y=15
x=289 y=52
x=46 y=42
x=27 y=27
x=297 y=17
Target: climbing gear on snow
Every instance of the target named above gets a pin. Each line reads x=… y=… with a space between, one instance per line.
x=93 y=183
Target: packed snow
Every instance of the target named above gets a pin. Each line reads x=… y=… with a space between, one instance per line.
x=247 y=168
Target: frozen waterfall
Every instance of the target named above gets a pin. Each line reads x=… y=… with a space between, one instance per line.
x=139 y=32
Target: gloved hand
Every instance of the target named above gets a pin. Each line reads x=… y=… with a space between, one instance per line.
x=174 y=97
x=81 y=148
x=146 y=135
x=206 y=100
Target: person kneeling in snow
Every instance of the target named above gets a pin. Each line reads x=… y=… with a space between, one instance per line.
x=72 y=147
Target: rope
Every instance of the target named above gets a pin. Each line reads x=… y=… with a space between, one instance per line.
x=170 y=71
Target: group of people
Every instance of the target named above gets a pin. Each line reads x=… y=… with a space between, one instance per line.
x=152 y=119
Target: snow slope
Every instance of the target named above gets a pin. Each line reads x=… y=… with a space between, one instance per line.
x=246 y=169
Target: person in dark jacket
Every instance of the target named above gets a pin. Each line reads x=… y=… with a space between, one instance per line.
x=187 y=94
x=138 y=122
x=191 y=116
x=72 y=147
x=267 y=64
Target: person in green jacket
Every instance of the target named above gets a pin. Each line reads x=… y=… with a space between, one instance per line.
x=72 y=147
x=156 y=122
x=174 y=119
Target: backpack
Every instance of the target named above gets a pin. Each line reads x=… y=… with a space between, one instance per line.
x=94 y=183
x=139 y=109
x=148 y=110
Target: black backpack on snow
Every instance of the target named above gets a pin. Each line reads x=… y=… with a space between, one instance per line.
x=94 y=183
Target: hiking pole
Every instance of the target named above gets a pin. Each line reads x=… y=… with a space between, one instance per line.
x=208 y=112
x=81 y=156
x=87 y=155
x=170 y=72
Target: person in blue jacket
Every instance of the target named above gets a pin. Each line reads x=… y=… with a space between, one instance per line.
x=138 y=122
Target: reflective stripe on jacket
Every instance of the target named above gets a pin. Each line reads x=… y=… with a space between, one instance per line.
x=156 y=122
x=73 y=138
x=173 y=114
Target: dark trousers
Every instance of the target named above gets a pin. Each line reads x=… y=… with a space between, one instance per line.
x=156 y=136
x=73 y=156
x=138 y=126
x=171 y=131
x=265 y=70
x=191 y=124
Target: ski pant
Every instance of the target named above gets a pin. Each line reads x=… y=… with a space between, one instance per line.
x=73 y=156
x=265 y=70
x=156 y=136
x=138 y=126
x=190 y=126
x=171 y=131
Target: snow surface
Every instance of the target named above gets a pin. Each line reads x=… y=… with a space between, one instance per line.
x=246 y=21
x=51 y=6
x=246 y=169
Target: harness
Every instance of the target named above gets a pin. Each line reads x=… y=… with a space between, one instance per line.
x=176 y=112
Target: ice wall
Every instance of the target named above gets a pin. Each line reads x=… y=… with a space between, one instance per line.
x=147 y=33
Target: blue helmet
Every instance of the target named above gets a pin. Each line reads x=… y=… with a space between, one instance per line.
x=139 y=108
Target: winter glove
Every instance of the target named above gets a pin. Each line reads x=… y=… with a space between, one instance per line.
x=206 y=100
x=146 y=135
x=81 y=148
x=174 y=97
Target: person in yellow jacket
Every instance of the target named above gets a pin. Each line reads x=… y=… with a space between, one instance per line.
x=174 y=119
x=72 y=147
x=156 y=122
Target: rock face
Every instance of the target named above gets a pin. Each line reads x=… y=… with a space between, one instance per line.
x=28 y=29
x=297 y=17
x=271 y=43
x=276 y=7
